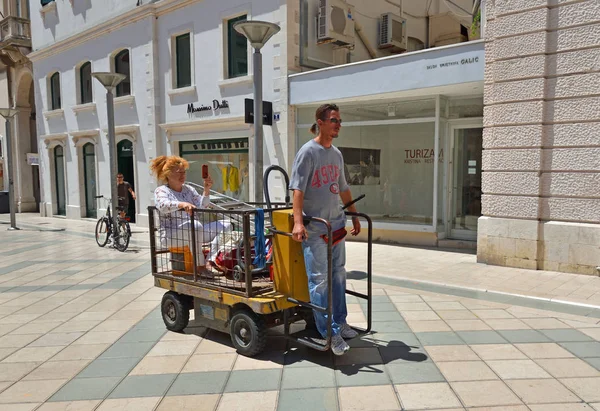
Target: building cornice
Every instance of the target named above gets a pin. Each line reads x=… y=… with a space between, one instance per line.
x=125 y=19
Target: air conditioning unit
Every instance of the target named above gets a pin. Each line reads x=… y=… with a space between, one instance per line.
x=392 y=33
x=335 y=24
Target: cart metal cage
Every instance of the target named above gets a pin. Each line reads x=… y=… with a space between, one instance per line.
x=223 y=250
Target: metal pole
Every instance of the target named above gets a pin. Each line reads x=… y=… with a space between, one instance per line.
x=112 y=156
x=436 y=160
x=11 y=188
x=258 y=127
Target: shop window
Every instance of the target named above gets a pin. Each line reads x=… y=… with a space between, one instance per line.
x=85 y=83
x=183 y=61
x=89 y=175
x=44 y=2
x=237 y=50
x=227 y=162
x=55 y=101
x=122 y=65
x=59 y=180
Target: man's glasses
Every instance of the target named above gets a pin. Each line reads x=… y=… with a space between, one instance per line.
x=335 y=121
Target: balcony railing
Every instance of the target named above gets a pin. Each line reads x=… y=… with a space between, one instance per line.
x=15 y=30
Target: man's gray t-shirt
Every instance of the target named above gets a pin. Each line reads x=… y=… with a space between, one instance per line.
x=319 y=173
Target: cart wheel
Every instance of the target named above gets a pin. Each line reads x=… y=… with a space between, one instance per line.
x=239 y=274
x=175 y=311
x=248 y=333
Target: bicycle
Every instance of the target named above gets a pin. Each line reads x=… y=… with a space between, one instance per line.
x=104 y=229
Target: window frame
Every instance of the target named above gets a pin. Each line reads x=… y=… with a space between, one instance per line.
x=54 y=95
x=175 y=57
x=119 y=92
x=227 y=56
x=80 y=84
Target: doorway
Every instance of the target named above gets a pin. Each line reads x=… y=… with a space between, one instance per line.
x=59 y=181
x=126 y=167
x=89 y=175
x=465 y=181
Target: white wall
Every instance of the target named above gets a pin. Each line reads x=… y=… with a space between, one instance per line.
x=71 y=17
x=137 y=38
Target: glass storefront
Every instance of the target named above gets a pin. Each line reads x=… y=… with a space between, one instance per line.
x=227 y=161
x=389 y=153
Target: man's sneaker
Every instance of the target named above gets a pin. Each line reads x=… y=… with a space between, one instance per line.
x=338 y=345
x=347 y=332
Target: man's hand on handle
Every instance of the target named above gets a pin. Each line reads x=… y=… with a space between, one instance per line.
x=299 y=233
x=356 y=226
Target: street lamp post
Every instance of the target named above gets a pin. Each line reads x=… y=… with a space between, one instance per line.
x=257 y=33
x=110 y=82
x=8 y=114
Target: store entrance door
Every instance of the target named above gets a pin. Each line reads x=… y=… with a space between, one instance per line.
x=465 y=181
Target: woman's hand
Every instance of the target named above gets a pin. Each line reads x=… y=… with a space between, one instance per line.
x=208 y=183
x=187 y=207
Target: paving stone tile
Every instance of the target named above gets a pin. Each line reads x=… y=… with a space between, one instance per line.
x=428 y=326
x=468 y=325
x=56 y=339
x=481 y=337
x=358 y=375
x=16 y=370
x=310 y=399
x=507 y=324
x=456 y=314
x=265 y=360
x=390 y=327
x=466 y=371
x=594 y=362
x=381 y=307
x=592 y=332
x=427 y=315
x=485 y=393
x=18 y=340
x=160 y=365
x=127 y=350
x=57 y=370
x=33 y=354
x=80 y=352
x=215 y=343
x=524 y=336
x=384 y=340
x=498 y=352
x=86 y=389
x=545 y=323
x=569 y=335
x=114 y=367
x=143 y=386
x=423 y=396
x=382 y=316
x=406 y=298
x=446 y=305
x=414 y=372
x=451 y=353
x=70 y=406
x=143 y=335
x=357 y=356
x=561 y=407
x=546 y=391
x=5 y=352
x=307 y=377
x=411 y=306
x=30 y=391
x=439 y=338
x=206 y=402
x=543 y=350
x=585 y=388
x=251 y=401
x=253 y=380
x=568 y=368
x=99 y=337
x=368 y=398
x=517 y=369
x=580 y=349
x=492 y=314
x=398 y=355
x=307 y=357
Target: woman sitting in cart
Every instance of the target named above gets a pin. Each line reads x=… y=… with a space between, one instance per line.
x=176 y=201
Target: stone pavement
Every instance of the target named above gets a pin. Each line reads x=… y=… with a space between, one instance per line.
x=80 y=330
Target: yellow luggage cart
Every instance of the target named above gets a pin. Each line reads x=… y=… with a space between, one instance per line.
x=242 y=296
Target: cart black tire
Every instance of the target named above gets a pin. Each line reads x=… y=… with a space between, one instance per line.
x=123 y=236
x=248 y=333
x=102 y=231
x=175 y=311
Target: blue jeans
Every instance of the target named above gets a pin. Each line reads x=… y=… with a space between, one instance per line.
x=315 y=260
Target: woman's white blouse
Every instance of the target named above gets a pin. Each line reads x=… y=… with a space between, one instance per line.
x=167 y=202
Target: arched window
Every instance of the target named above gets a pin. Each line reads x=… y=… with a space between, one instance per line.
x=55 y=101
x=59 y=180
x=85 y=83
x=122 y=66
x=89 y=175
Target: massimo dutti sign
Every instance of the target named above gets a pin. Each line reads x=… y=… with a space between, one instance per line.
x=216 y=105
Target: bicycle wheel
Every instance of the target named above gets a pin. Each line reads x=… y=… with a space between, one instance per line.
x=102 y=231
x=123 y=235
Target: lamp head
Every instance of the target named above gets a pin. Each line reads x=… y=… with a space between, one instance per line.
x=257 y=32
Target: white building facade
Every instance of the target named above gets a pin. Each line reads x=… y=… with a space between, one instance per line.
x=188 y=75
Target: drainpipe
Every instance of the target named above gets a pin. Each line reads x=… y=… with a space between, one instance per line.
x=359 y=31
x=400 y=6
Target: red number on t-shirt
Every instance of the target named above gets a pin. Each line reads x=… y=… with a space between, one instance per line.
x=316 y=181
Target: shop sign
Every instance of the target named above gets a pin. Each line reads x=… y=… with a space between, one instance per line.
x=452 y=63
x=249 y=112
x=216 y=105
x=33 y=159
x=422 y=156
